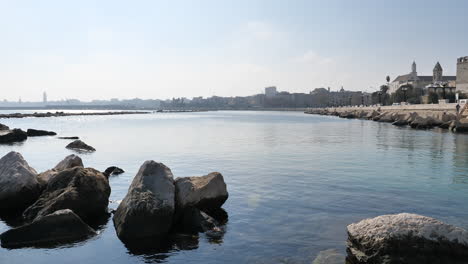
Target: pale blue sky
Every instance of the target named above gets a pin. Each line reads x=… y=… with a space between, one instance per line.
x=164 y=49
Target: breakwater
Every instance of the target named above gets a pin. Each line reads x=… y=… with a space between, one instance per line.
x=59 y=114
x=424 y=116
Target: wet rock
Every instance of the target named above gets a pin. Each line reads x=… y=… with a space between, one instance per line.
x=4 y=127
x=460 y=125
x=205 y=193
x=148 y=208
x=423 y=122
x=448 y=125
x=10 y=136
x=67 y=163
x=38 y=133
x=387 y=117
x=80 y=145
x=329 y=256
x=372 y=114
x=400 y=122
x=62 y=226
x=406 y=238
x=84 y=190
x=19 y=187
x=113 y=170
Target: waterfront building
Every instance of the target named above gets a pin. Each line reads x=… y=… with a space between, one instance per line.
x=422 y=82
x=462 y=75
x=271 y=91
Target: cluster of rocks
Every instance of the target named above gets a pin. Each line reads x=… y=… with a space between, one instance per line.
x=416 y=120
x=61 y=114
x=405 y=238
x=8 y=135
x=156 y=204
x=62 y=205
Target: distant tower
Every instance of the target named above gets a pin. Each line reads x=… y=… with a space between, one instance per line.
x=437 y=73
x=44 y=98
x=414 y=73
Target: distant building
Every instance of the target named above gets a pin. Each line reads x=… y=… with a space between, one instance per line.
x=270 y=91
x=416 y=81
x=44 y=98
x=462 y=74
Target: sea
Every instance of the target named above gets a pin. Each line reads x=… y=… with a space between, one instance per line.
x=295 y=180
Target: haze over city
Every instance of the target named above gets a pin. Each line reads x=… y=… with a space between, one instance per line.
x=164 y=49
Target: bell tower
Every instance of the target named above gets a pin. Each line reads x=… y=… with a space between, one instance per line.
x=437 y=73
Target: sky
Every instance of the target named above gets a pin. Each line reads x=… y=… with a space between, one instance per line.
x=163 y=49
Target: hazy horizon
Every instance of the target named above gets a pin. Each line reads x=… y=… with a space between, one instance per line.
x=159 y=50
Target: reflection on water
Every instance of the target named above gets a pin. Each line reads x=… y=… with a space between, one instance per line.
x=295 y=181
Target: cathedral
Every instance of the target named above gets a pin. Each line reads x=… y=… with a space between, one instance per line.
x=426 y=83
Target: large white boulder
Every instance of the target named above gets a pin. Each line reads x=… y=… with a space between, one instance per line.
x=406 y=238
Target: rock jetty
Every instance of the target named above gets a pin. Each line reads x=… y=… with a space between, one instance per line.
x=60 y=114
x=414 y=119
x=406 y=238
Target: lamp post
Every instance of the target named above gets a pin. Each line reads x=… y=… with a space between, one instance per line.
x=404 y=89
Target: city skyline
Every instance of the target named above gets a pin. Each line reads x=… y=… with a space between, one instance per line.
x=157 y=50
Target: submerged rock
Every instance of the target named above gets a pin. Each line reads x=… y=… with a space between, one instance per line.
x=329 y=256
x=148 y=208
x=406 y=238
x=10 y=136
x=62 y=226
x=80 y=145
x=205 y=193
x=19 y=187
x=38 y=133
x=113 y=170
x=69 y=162
x=84 y=190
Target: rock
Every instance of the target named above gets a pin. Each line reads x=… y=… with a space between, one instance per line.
x=423 y=122
x=406 y=238
x=19 y=187
x=10 y=136
x=329 y=256
x=148 y=208
x=400 y=122
x=448 y=125
x=193 y=221
x=84 y=190
x=387 y=117
x=460 y=125
x=80 y=145
x=68 y=163
x=205 y=193
x=62 y=226
x=113 y=171
x=38 y=133
x=69 y=137
x=372 y=114
x=4 y=127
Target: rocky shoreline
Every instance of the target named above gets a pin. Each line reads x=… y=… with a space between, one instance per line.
x=414 y=119
x=61 y=114
x=64 y=204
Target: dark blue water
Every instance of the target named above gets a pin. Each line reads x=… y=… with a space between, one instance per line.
x=295 y=181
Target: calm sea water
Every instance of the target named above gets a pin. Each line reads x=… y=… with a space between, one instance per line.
x=295 y=181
